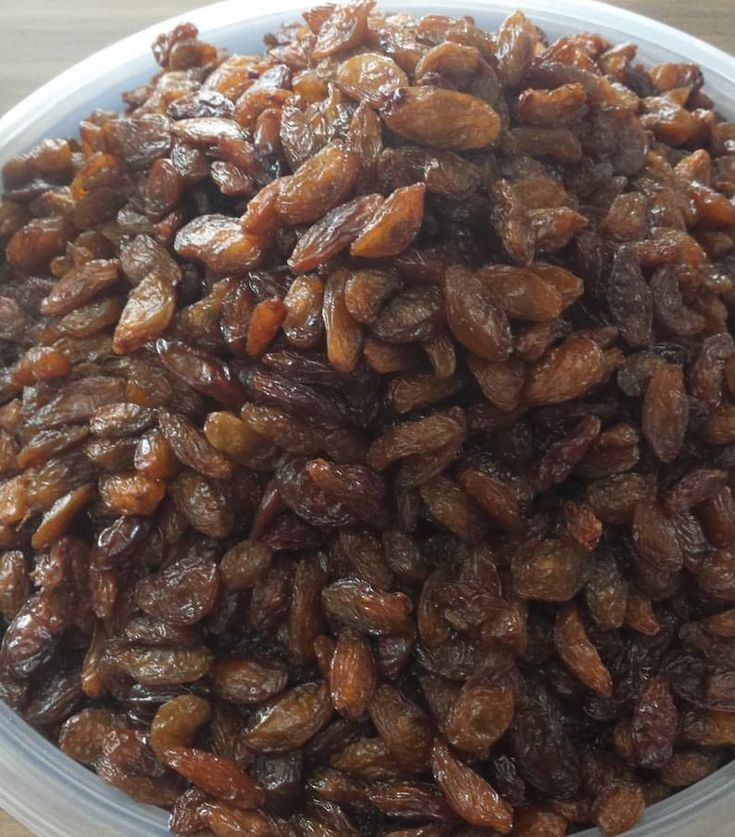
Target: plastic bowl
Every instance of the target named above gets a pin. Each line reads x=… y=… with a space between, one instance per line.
x=39 y=785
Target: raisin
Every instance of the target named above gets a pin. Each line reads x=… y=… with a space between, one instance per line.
x=370 y=77
x=82 y=735
x=618 y=808
x=655 y=537
x=629 y=299
x=220 y=243
x=176 y=722
x=358 y=604
x=203 y=503
x=290 y=720
x=393 y=227
x=655 y=724
x=665 y=412
x=165 y=666
x=450 y=506
x=352 y=677
x=225 y=821
x=495 y=498
x=346 y=27
x=344 y=335
x=552 y=570
x=479 y=717
x=403 y=726
x=522 y=293
x=553 y=107
x=441 y=118
x=305 y=621
x=579 y=654
x=302 y=324
x=545 y=756
x=474 y=318
x=182 y=593
x=191 y=447
x=468 y=793
x=335 y=231
x=517 y=39
x=321 y=183
x=216 y=776
x=409 y=800
x=606 y=594
x=32 y=636
x=564 y=373
x=14 y=583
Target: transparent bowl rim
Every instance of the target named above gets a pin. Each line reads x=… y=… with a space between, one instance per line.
x=39 y=785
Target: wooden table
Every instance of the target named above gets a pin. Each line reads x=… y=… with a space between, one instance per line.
x=39 y=38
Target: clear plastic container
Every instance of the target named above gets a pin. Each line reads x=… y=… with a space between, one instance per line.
x=51 y=794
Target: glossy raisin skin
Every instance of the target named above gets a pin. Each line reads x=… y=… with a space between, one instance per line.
x=367 y=432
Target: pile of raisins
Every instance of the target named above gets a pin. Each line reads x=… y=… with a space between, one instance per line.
x=367 y=433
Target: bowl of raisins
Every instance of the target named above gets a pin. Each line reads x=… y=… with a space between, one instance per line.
x=367 y=421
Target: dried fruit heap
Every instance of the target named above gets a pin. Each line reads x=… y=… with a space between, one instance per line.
x=368 y=433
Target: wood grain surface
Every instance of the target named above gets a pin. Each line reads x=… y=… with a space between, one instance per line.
x=40 y=38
